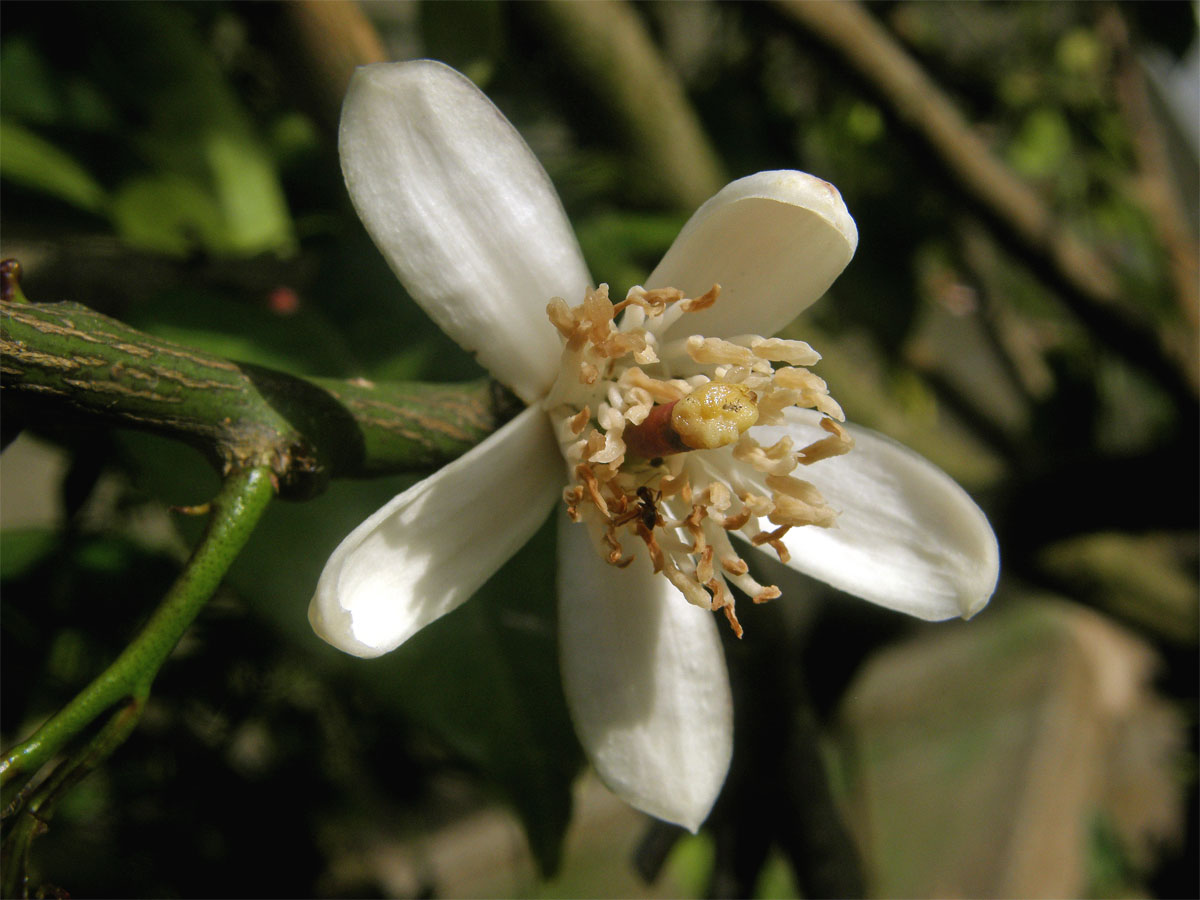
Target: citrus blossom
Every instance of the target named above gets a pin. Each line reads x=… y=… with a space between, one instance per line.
x=671 y=429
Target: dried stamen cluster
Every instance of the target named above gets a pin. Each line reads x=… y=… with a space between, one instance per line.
x=656 y=436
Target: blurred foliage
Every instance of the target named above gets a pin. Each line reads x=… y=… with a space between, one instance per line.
x=160 y=162
x=183 y=164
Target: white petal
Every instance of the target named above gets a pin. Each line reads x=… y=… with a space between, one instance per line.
x=464 y=213
x=907 y=536
x=434 y=545
x=774 y=241
x=645 y=680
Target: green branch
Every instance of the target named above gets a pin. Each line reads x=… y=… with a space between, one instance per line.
x=63 y=357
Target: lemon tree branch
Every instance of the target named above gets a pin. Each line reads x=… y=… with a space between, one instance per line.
x=66 y=358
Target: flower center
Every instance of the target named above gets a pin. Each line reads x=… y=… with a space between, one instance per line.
x=656 y=434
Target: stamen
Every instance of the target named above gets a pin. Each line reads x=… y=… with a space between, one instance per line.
x=717 y=352
x=577 y=422
x=794 y=353
x=651 y=463
x=778 y=459
x=838 y=442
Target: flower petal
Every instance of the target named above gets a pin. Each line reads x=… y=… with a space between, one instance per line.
x=434 y=545
x=907 y=536
x=645 y=680
x=463 y=212
x=774 y=241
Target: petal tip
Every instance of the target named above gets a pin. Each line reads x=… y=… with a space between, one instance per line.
x=336 y=627
x=688 y=812
x=987 y=576
x=775 y=241
x=820 y=197
x=404 y=70
x=806 y=191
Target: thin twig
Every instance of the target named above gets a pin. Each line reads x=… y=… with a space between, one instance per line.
x=1155 y=187
x=34 y=812
x=1084 y=281
x=607 y=43
x=236 y=510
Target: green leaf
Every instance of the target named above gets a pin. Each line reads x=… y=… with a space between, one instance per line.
x=202 y=146
x=1043 y=146
x=33 y=162
x=28 y=88
x=167 y=213
x=37 y=92
x=623 y=247
x=248 y=193
x=24 y=550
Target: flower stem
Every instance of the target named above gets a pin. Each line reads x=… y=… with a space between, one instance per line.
x=36 y=811
x=235 y=511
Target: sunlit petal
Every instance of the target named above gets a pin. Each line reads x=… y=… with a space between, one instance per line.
x=645 y=679
x=434 y=545
x=463 y=212
x=774 y=241
x=907 y=536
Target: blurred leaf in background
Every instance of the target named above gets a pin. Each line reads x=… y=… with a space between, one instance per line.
x=174 y=159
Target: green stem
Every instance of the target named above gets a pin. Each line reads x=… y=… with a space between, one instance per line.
x=63 y=358
x=235 y=512
x=35 y=813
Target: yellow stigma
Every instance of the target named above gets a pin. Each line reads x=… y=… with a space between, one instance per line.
x=714 y=415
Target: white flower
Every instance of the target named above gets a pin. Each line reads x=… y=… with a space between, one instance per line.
x=472 y=226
